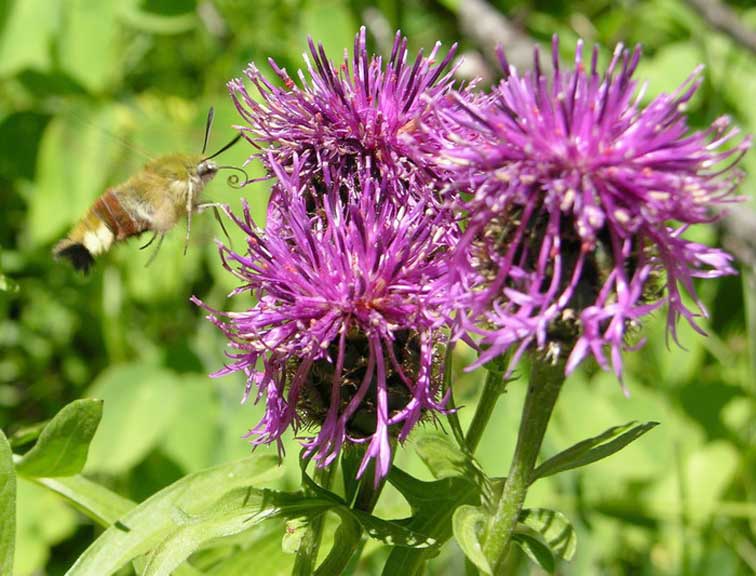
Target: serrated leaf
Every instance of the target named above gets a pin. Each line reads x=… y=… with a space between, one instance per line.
x=433 y=504
x=468 y=523
x=345 y=542
x=7 y=506
x=442 y=458
x=156 y=518
x=536 y=550
x=64 y=442
x=592 y=449
x=555 y=529
x=446 y=460
x=390 y=532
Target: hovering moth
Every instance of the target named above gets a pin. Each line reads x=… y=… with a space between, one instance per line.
x=153 y=200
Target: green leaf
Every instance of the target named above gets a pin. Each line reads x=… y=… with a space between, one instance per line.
x=64 y=190
x=159 y=516
x=88 y=44
x=27 y=38
x=42 y=522
x=592 y=449
x=262 y=549
x=143 y=405
x=241 y=510
x=7 y=285
x=296 y=528
x=452 y=415
x=93 y=500
x=350 y=464
x=468 y=523
x=555 y=529
x=7 y=506
x=433 y=504
x=389 y=532
x=63 y=444
x=155 y=22
x=27 y=434
x=191 y=438
x=443 y=459
x=446 y=460
x=98 y=503
x=345 y=542
x=536 y=550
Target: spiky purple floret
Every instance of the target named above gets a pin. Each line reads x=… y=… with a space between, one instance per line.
x=341 y=117
x=578 y=156
x=352 y=264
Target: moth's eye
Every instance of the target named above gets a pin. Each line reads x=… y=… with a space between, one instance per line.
x=206 y=168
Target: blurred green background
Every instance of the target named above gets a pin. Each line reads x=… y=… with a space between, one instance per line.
x=89 y=89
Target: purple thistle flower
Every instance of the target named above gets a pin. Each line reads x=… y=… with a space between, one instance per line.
x=359 y=114
x=343 y=334
x=579 y=201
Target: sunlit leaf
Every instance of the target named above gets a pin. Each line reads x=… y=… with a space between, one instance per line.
x=468 y=523
x=139 y=407
x=92 y=499
x=592 y=449
x=27 y=37
x=98 y=503
x=7 y=506
x=42 y=522
x=89 y=43
x=158 y=517
x=62 y=447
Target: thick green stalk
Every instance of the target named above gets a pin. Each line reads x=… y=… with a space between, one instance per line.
x=307 y=553
x=545 y=382
x=368 y=491
x=494 y=387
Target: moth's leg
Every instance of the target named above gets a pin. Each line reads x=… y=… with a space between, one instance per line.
x=189 y=209
x=150 y=241
x=217 y=207
x=205 y=205
x=156 y=250
x=219 y=220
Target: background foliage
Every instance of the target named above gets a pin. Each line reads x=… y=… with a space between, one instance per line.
x=88 y=89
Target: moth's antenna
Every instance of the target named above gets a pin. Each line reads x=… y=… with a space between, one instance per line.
x=208 y=127
x=226 y=147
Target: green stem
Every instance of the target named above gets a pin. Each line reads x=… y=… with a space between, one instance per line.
x=307 y=554
x=494 y=387
x=545 y=382
x=368 y=492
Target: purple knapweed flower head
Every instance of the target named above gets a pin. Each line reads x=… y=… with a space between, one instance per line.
x=346 y=335
x=362 y=113
x=579 y=198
